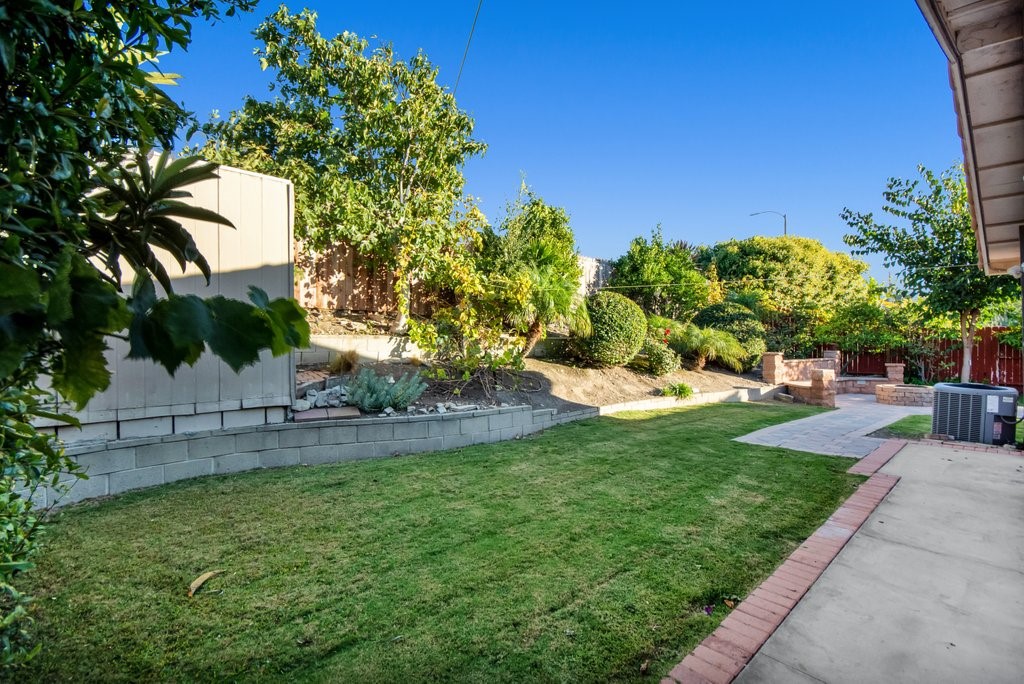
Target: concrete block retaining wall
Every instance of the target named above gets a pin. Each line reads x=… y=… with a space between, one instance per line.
x=373 y=348
x=121 y=465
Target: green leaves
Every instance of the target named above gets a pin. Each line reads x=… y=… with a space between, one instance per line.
x=176 y=330
x=18 y=286
x=933 y=243
x=374 y=145
x=138 y=209
x=661 y=278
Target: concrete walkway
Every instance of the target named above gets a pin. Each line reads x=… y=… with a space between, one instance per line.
x=838 y=433
x=930 y=589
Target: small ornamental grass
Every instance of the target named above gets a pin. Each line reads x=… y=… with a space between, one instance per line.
x=679 y=390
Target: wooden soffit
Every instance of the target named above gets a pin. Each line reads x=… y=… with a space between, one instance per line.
x=984 y=42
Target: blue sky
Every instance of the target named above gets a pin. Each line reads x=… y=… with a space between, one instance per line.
x=692 y=115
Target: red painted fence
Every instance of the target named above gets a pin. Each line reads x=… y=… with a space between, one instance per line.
x=993 y=362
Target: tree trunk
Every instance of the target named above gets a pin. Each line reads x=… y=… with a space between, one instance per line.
x=533 y=335
x=968 y=326
x=401 y=324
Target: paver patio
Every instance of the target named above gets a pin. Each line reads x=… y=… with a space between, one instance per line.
x=842 y=432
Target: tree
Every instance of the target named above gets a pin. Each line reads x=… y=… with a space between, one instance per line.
x=536 y=242
x=935 y=246
x=661 y=278
x=792 y=283
x=78 y=104
x=374 y=145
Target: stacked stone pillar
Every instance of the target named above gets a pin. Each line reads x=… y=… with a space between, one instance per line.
x=773 y=370
x=823 y=388
x=894 y=372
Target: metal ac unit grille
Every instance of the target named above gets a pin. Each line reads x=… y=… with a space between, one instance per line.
x=959 y=415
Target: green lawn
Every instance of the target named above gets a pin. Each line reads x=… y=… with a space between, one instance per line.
x=576 y=555
x=911 y=427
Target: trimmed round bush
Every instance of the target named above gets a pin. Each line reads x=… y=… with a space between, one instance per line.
x=658 y=358
x=619 y=330
x=741 y=323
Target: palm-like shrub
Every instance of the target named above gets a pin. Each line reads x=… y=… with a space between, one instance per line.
x=705 y=345
x=618 y=330
x=741 y=323
x=553 y=298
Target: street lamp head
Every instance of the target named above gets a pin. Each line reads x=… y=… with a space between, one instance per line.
x=785 y=219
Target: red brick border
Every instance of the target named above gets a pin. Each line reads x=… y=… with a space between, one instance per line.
x=724 y=654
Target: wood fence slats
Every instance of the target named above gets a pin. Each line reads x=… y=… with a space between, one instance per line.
x=993 y=362
x=338 y=279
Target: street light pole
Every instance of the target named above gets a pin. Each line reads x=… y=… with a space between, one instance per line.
x=785 y=227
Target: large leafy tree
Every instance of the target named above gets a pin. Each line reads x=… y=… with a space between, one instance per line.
x=662 y=278
x=792 y=283
x=80 y=99
x=935 y=247
x=374 y=145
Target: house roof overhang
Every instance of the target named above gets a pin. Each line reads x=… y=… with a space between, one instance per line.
x=984 y=42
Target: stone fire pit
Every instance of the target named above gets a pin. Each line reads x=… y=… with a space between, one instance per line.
x=903 y=395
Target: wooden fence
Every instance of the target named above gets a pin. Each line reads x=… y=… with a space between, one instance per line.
x=993 y=362
x=340 y=280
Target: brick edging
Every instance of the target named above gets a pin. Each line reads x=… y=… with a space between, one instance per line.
x=723 y=655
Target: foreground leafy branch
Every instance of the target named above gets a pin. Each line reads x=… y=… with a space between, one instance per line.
x=80 y=197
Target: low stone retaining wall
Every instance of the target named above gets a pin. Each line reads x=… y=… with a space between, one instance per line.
x=122 y=465
x=397 y=348
x=860 y=385
x=819 y=391
x=904 y=395
x=373 y=348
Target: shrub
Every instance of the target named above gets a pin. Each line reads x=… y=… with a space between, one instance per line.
x=707 y=344
x=657 y=358
x=344 y=362
x=372 y=392
x=679 y=390
x=618 y=330
x=741 y=323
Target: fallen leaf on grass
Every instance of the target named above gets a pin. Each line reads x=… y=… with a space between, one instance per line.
x=729 y=604
x=201 y=580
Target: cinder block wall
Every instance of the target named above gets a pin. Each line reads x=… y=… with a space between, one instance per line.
x=121 y=465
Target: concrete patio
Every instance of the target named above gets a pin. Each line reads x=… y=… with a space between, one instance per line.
x=931 y=588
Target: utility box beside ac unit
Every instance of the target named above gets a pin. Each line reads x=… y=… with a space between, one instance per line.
x=972 y=412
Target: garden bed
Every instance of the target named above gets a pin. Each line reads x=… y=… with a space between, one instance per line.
x=548 y=384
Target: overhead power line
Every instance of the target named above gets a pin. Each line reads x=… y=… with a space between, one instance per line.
x=468 y=41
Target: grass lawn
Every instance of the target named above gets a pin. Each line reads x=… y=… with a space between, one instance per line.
x=911 y=427
x=576 y=555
